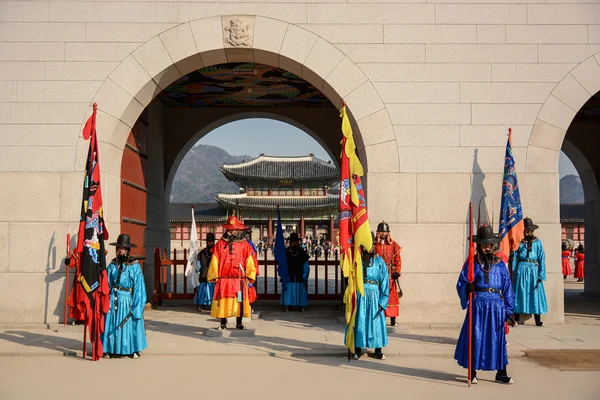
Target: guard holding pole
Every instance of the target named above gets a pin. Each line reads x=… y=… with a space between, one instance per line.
x=488 y=294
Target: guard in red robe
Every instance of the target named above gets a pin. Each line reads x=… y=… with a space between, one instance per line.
x=389 y=250
x=232 y=267
x=252 y=294
x=579 y=263
x=566 y=263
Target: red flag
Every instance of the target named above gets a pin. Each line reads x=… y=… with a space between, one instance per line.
x=345 y=225
x=91 y=291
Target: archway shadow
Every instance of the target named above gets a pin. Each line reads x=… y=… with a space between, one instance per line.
x=68 y=347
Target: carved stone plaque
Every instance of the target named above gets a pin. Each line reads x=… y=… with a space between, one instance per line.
x=238 y=31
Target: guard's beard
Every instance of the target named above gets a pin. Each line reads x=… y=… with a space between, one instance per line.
x=529 y=238
x=486 y=258
x=234 y=237
x=123 y=257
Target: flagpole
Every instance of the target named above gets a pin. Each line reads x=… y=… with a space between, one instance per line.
x=470 y=278
x=67 y=276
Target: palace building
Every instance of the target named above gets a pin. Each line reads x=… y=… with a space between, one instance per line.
x=300 y=186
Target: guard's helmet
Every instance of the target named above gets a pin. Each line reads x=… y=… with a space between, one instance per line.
x=383 y=227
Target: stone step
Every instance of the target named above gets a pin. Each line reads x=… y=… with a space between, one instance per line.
x=214 y=332
x=231 y=321
x=397 y=329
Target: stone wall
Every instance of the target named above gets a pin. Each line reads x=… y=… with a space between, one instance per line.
x=431 y=87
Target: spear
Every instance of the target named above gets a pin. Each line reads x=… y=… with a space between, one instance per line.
x=471 y=278
x=67 y=274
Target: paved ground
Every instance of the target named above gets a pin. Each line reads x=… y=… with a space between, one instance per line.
x=160 y=377
x=285 y=345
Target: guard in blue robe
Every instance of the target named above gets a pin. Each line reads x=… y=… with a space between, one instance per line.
x=296 y=293
x=493 y=302
x=369 y=327
x=529 y=274
x=205 y=290
x=124 y=331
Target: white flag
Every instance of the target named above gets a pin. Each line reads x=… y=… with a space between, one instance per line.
x=193 y=253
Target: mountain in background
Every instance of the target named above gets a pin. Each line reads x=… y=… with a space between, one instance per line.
x=199 y=180
x=571 y=190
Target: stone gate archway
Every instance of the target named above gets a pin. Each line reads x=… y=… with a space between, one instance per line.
x=153 y=66
x=556 y=129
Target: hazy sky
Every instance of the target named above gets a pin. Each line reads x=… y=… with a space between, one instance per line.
x=259 y=135
x=565 y=166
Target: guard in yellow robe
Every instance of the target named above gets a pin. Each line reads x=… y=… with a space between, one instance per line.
x=232 y=267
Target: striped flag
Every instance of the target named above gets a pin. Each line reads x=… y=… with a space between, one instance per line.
x=511 y=211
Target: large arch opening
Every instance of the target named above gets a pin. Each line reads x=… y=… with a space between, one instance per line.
x=155 y=105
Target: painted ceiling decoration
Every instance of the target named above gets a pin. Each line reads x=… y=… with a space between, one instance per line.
x=242 y=85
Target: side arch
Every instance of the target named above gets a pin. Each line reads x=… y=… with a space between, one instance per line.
x=556 y=129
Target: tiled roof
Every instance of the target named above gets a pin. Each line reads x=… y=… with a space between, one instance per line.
x=207 y=212
x=572 y=213
x=306 y=203
x=306 y=168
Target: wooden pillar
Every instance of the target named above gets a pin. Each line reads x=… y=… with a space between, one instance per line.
x=270 y=230
x=331 y=232
x=314 y=235
x=301 y=230
x=181 y=235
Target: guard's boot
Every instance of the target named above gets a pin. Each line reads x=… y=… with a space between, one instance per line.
x=357 y=353
x=474 y=380
x=538 y=320
x=238 y=323
x=502 y=377
x=223 y=325
x=379 y=354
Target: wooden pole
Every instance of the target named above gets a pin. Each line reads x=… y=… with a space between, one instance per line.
x=471 y=278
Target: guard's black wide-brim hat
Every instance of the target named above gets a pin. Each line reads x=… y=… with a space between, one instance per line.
x=529 y=225
x=486 y=235
x=123 y=241
x=294 y=237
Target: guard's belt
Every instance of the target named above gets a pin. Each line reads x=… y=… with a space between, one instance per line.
x=371 y=282
x=488 y=290
x=123 y=289
x=530 y=261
